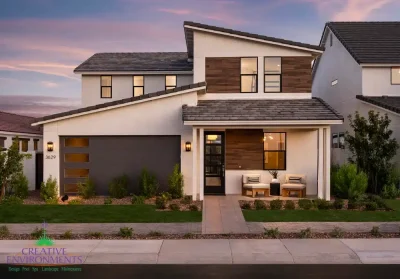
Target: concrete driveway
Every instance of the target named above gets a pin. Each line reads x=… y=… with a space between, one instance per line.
x=224 y=251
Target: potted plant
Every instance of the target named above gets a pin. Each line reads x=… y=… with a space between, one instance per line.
x=274 y=174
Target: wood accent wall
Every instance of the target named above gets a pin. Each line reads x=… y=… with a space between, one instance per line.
x=223 y=74
x=244 y=149
x=296 y=74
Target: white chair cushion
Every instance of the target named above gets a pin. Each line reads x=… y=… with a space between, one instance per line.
x=256 y=185
x=293 y=186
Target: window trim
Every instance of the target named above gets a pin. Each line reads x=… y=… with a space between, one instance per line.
x=165 y=82
x=285 y=151
x=240 y=70
x=137 y=86
x=101 y=87
x=391 y=75
x=280 y=75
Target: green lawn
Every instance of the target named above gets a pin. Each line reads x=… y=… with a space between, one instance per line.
x=324 y=215
x=93 y=214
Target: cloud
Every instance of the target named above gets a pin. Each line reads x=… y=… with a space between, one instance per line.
x=49 y=84
x=176 y=11
x=42 y=68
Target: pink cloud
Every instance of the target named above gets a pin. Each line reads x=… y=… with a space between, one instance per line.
x=176 y=11
x=49 y=84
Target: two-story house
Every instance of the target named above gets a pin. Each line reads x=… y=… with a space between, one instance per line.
x=234 y=103
x=359 y=71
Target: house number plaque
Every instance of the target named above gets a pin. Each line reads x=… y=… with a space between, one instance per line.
x=50 y=157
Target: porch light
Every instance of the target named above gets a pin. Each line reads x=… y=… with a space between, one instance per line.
x=188 y=146
x=50 y=146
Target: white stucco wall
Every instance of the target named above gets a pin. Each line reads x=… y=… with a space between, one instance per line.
x=122 y=87
x=337 y=64
x=301 y=158
x=211 y=45
x=155 y=117
x=377 y=82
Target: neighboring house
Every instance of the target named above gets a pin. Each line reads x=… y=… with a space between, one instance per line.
x=359 y=71
x=234 y=103
x=30 y=142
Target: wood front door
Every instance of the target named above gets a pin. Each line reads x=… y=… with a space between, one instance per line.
x=214 y=163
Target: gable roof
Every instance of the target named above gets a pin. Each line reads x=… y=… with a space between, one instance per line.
x=260 y=110
x=369 y=42
x=136 y=61
x=126 y=101
x=188 y=25
x=391 y=103
x=15 y=123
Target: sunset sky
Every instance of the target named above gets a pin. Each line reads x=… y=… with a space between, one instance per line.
x=42 y=41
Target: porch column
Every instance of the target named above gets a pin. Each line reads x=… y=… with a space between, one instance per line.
x=320 y=163
x=327 y=188
x=194 y=163
x=201 y=162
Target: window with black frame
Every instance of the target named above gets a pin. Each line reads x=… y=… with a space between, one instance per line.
x=274 y=151
x=170 y=82
x=138 y=86
x=106 y=87
x=335 y=140
x=272 y=74
x=248 y=75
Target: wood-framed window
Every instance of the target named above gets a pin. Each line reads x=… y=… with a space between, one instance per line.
x=272 y=74
x=249 y=75
x=106 y=87
x=2 y=142
x=395 y=76
x=22 y=144
x=170 y=82
x=35 y=144
x=275 y=151
x=138 y=85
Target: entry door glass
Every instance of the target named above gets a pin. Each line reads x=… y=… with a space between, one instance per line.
x=214 y=165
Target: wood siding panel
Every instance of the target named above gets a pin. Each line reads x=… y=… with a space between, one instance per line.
x=223 y=74
x=244 y=149
x=296 y=74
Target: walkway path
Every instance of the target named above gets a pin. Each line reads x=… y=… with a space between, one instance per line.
x=224 y=251
x=222 y=214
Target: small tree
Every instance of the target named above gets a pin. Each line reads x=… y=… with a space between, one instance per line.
x=11 y=162
x=372 y=147
x=175 y=183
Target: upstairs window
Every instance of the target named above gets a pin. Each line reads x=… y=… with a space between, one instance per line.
x=170 y=82
x=272 y=74
x=396 y=75
x=248 y=75
x=106 y=87
x=138 y=86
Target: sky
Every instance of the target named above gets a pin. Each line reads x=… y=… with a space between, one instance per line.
x=42 y=41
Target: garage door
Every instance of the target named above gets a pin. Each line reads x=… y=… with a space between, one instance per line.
x=103 y=158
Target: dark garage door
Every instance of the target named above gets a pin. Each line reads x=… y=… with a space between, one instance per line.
x=106 y=157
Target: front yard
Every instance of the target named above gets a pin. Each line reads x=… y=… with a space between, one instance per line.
x=93 y=214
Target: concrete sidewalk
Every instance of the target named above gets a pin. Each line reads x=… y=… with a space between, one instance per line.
x=224 y=251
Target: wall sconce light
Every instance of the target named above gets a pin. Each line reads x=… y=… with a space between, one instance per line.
x=188 y=146
x=50 y=146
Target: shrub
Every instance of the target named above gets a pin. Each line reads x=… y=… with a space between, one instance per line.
x=305 y=233
x=260 y=205
x=375 y=231
x=348 y=183
x=19 y=185
x=289 y=205
x=48 y=190
x=175 y=183
x=51 y=201
x=138 y=199
x=336 y=233
x=273 y=233
x=338 y=204
x=166 y=196
x=186 y=200
x=193 y=207
x=174 y=207
x=275 y=204
x=118 y=188
x=334 y=169
x=95 y=234
x=155 y=234
x=148 y=185
x=4 y=232
x=371 y=206
x=246 y=205
x=108 y=200
x=67 y=235
x=86 y=189
x=11 y=200
x=390 y=192
x=161 y=203
x=380 y=202
x=37 y=233
x=322 y=204
x=188 y=235
x=353 y=204
x=75 y=202
x=125 y=232
x=305 y=204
